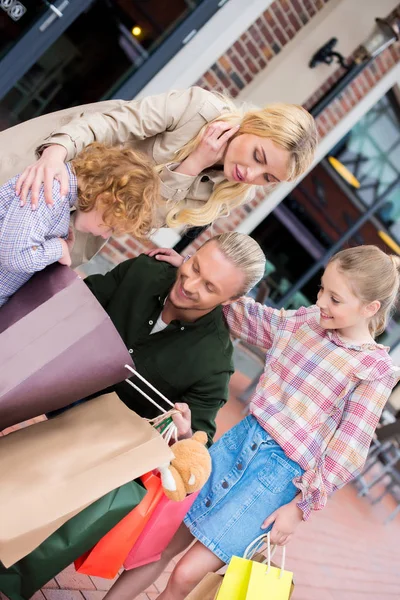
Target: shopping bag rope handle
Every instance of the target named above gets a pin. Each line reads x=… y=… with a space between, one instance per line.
x=137 y=388
x=255 y=545
x=170 y=431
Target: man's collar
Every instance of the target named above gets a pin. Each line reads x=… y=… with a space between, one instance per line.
x=200 y=322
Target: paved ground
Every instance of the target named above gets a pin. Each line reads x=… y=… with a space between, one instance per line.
x=344 y=553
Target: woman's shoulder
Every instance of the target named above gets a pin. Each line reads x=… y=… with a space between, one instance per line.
x=197 y=100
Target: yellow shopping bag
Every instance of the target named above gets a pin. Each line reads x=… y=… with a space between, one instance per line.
x=246 y=579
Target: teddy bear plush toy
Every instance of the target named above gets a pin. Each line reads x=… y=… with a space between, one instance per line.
x=190 y=468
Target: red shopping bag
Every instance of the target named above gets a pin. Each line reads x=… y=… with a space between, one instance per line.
x=106 y=557
x=159 y=531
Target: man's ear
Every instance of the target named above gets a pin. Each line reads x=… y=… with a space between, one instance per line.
x=231 y=300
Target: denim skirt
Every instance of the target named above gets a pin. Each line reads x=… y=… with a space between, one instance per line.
x=251 y=477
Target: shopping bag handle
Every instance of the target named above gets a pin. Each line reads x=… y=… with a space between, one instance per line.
x=169 y=430
x=253 y=547
x=138 y=389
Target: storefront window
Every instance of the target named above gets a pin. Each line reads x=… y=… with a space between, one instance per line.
x=102 y=48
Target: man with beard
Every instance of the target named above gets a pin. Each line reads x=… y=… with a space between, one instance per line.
x=172 y=324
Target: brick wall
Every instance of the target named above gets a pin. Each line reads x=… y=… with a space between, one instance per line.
x=235 y=69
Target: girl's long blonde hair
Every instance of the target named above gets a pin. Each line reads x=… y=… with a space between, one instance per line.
x=289 y=126
x=374 y=275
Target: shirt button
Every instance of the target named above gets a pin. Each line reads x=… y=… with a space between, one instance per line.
x=130 y=351
x=225 y=484
x=254 y=446
x=151 y=322
x=182 y=328
x=204 y=178
x=207 y=503
x=239 y=466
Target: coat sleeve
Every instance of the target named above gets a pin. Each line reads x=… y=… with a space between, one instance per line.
x=138 y=120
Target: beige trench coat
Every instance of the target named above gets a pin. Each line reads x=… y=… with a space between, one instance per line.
x=157 y=125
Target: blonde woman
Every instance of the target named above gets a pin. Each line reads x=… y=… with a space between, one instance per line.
x=209 y=155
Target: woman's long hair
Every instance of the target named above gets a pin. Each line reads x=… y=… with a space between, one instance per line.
x=289 y=126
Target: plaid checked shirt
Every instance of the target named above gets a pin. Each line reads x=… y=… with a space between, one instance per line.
x=29 y=239
x=318 y=397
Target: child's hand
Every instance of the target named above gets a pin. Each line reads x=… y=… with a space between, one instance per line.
x=66 y=257
x=166 y=255
x=285 y=520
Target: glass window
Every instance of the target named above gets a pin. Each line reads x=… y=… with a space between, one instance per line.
x=103 y=47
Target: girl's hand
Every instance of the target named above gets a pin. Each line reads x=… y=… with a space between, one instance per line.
x=66 y=257
x=285 y=519
x=50 y=166
x=183 y=420
x=166 y=255
x=210 y=150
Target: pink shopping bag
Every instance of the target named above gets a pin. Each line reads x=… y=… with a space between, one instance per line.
x=159 y=531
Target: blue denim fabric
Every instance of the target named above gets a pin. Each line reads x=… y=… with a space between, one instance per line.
x=251 y=478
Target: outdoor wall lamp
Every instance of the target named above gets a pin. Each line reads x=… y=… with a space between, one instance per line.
x=383 y=35
x=326 y=54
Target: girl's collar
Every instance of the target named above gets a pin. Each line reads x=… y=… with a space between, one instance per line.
x=339 y=341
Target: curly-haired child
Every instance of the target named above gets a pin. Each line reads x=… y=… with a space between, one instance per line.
x=112 y=190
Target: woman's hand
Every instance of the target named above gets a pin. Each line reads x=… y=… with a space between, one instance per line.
x=210 y=150
x=50 y=166
x=166 y=255
x=183 y=420
x=66 y=257
x=285 y=519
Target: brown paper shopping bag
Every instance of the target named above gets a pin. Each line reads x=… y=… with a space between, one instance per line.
x=207 y=589
x=50 y=471
x=57 y=345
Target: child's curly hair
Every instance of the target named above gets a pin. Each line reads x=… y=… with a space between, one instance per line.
x=120 y=182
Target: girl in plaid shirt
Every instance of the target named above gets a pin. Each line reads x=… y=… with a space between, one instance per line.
x=311 y=421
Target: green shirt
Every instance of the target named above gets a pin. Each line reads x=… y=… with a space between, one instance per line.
x=187 y=362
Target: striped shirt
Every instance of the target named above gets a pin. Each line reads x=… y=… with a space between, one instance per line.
x=319 y=397
x=29 y=240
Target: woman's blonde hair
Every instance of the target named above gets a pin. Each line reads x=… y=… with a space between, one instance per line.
x=245 y=253
x=120 y=182
x=374 y=275
x=289 y=126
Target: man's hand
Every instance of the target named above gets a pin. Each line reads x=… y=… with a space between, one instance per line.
x=166 y=255
x=183 y=420
x=286 y=519
x=66 y=257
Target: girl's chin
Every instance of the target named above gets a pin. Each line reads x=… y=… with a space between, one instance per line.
x=327 y=323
